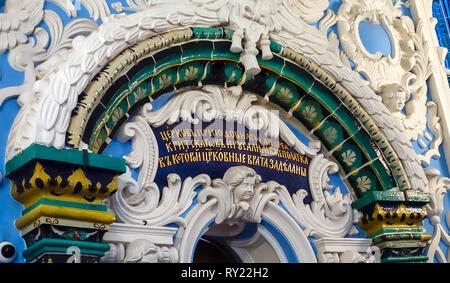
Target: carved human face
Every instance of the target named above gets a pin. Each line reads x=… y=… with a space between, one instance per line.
x=398 y=101
x=244 y=191
x=394 y=98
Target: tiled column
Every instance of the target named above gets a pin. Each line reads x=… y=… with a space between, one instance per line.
x=393 y=219
x=62 y=192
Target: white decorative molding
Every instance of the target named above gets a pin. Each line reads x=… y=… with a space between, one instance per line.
x=329 y=214
x=240 y=196
x=439 y=90
x=138 y=243
x=76 y=254
x=396 y=77
x=19 y=20
x=422 y=14
x=260 y=248
x=143 y=138
x=137 y=204
x=346 y=250
x=223 y=200
x=436 y=129
x=439 y=187
x=44 y=118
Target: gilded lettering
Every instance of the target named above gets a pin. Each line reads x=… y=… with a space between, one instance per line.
x=231 y=156
x=206 y=157
x=168 y=161
x=175 y=159
x=169 y=147
x=165 y=136
x=198 y=157
x=264 y=162
x=303 y=171
x=161 y=162
x=256 y=161
x=214 y=154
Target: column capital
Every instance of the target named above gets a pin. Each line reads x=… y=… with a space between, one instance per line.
x=62 y=191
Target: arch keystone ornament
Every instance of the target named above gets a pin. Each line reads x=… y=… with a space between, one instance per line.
x=232 y=61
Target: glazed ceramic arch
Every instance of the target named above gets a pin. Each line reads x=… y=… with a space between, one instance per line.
x=192 y=57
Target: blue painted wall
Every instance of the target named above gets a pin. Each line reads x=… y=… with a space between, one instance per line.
x=373 y=37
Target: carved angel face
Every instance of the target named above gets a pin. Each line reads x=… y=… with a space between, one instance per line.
x=242 y=181
x=244 y=191
x=398 y=101
x=394 y=97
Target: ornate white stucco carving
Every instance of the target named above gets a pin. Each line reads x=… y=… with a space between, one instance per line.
x=422 y=13
x=139 y=202
x=44 y=118
x=439 y=186
x=18 y=21
x=63 y=70
x=329 y=214
x=346 y=250
x=138 y=243
x=240 y=196
x=397 y=76
x=24 y=57
x=400 y=78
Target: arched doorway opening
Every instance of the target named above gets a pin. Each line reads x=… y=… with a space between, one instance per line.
x=210 y=250
x=242 y=243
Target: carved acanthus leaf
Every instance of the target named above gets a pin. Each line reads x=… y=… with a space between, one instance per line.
x=279 y=23
x=329 y=214
x=408 y=65
x=439 y=187
x=18 y=21
x=144 y=251
x=135 y=204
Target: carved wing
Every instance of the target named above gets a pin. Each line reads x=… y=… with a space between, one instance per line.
x=294 y=32
x=309 y=10
x=19 y=21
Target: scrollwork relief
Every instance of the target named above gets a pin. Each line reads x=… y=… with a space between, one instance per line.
x=240 y=195
x=140 y=251
x=57 y=71
x=45 y=116
x=398 y=77
x=439 y=187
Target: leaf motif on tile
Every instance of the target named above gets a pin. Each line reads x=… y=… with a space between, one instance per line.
x=363 y=183
x=349 y=157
